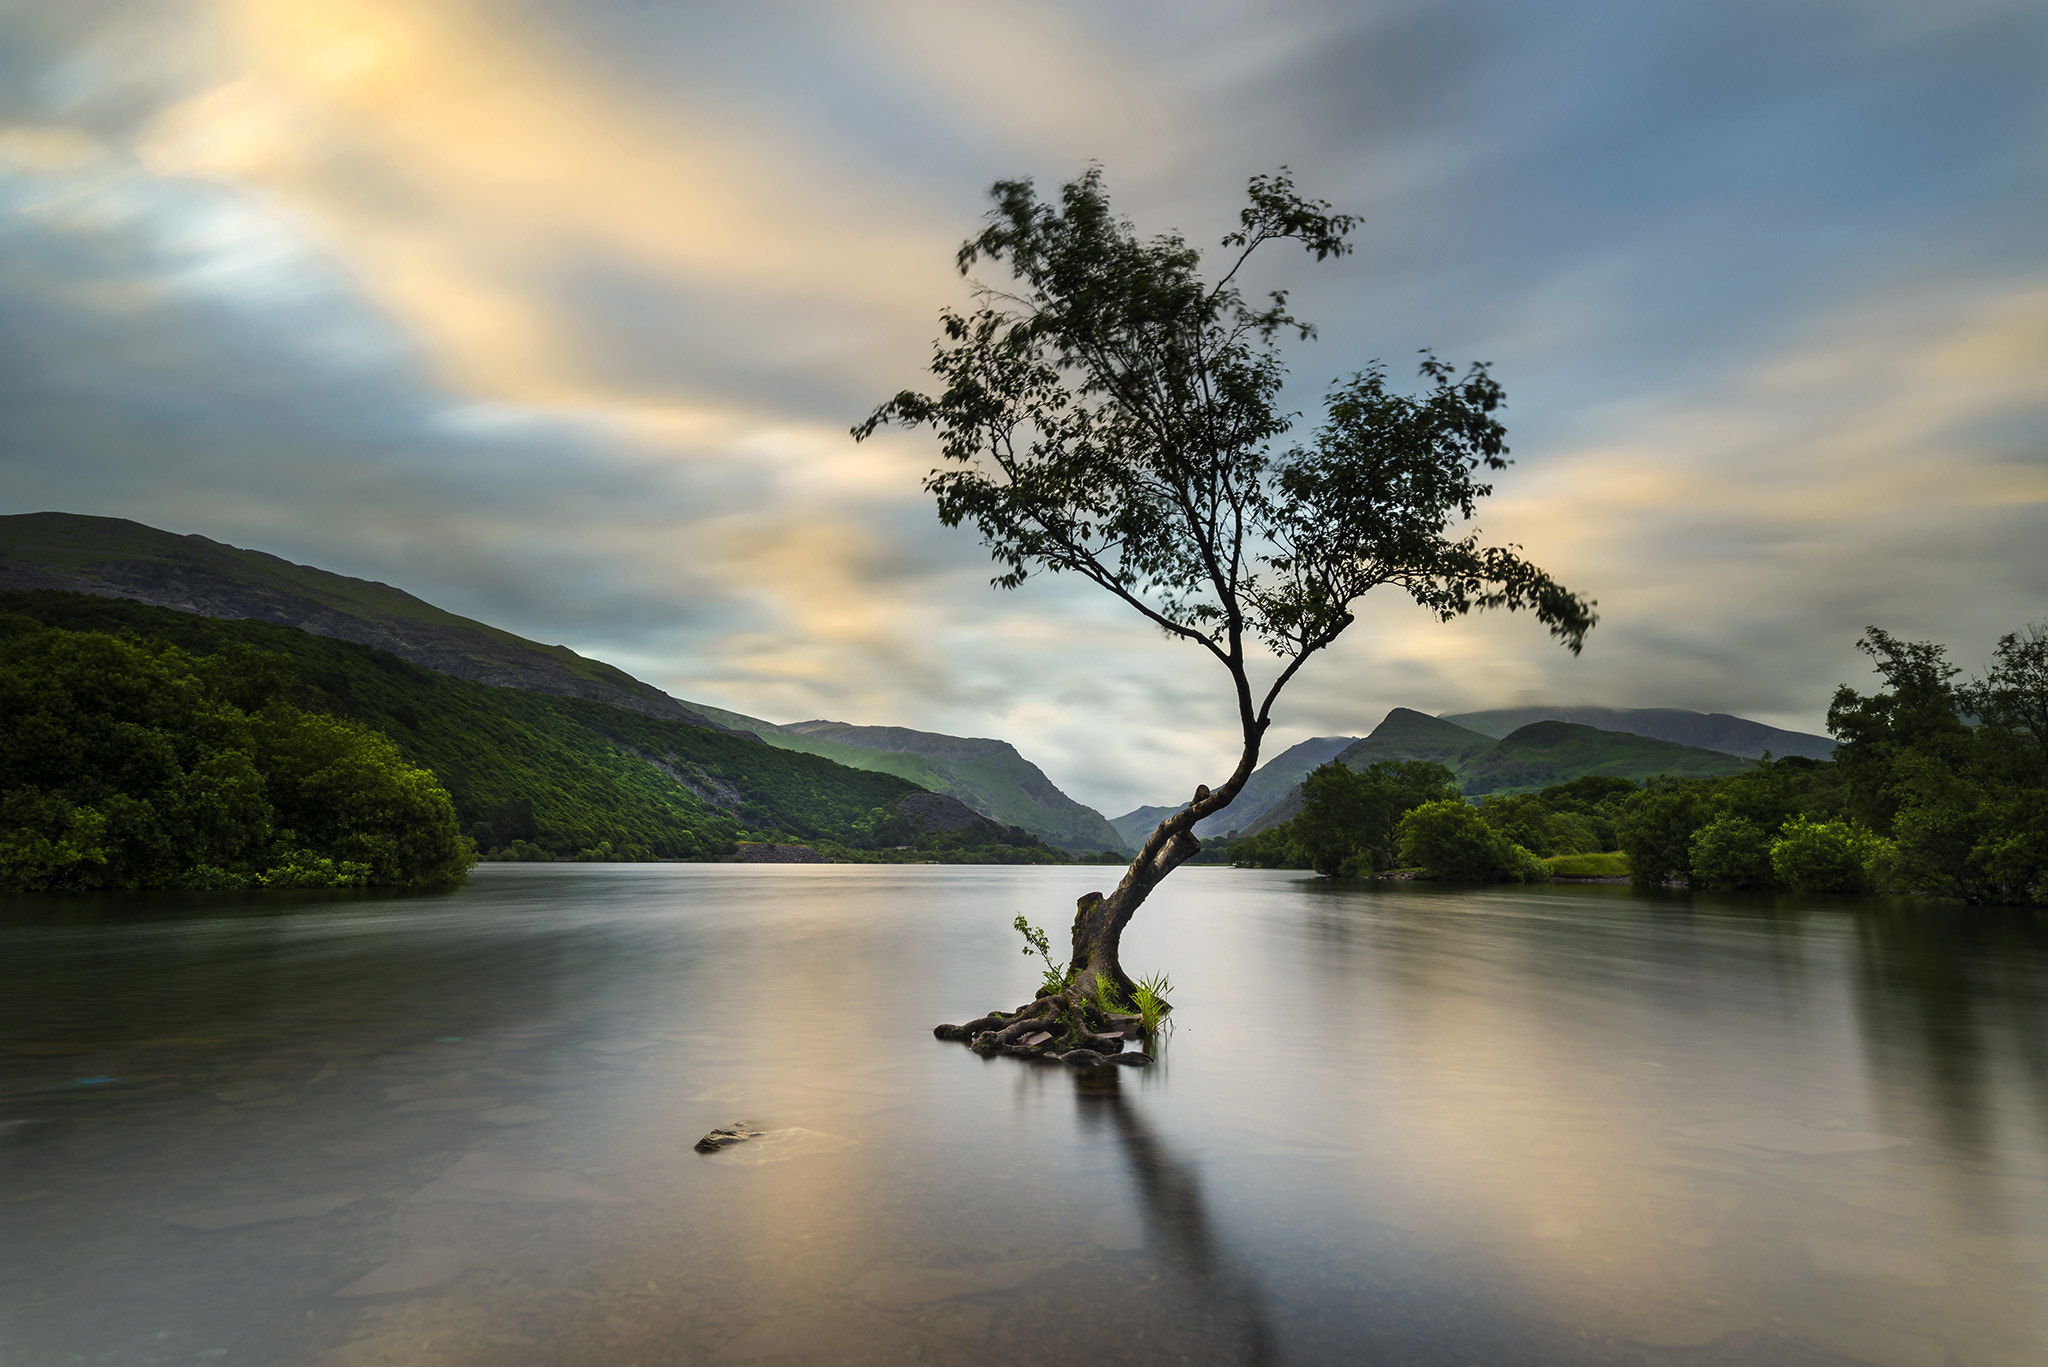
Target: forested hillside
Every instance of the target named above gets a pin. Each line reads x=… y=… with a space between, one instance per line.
x=541 y=776
x=115 y=558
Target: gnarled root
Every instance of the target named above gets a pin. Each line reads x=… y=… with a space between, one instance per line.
x=1066 y=1027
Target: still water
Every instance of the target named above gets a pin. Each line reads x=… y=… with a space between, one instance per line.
x=1390 y=1125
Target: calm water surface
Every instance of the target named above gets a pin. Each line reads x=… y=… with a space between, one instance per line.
x=1391 y=1125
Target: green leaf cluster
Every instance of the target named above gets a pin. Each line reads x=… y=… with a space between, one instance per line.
x=1354 y=823
x=1112 y=413
x=1937 y=786
x=127 y=764
x=1449 y=838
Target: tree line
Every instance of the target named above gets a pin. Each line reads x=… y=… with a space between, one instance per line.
x=126 y=764
x=1937 y=786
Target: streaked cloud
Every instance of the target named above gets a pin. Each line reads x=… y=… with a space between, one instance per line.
x=557 y=314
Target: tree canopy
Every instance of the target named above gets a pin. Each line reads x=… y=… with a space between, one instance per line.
x=127 y=765
x=1115 y=415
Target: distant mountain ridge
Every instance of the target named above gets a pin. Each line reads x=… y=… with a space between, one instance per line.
x=989 y=775
x=1531 y=757
x=112 y=557
x=1705 y=730
x=116 y=558
x=1269 y=783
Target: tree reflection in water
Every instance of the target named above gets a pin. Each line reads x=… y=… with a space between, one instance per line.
x=1169 y=1193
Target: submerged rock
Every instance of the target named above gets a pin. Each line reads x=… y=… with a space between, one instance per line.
x=725 y=1137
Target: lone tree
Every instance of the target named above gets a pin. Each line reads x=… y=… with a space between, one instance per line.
x=1115 y=415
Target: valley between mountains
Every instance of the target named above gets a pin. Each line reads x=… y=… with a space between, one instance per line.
x=550 y=754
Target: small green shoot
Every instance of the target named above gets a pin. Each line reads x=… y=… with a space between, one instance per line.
x=1035 y=943
x=1150 y=1001
x=1108 y=998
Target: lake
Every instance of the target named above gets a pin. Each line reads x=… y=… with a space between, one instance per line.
x=1390 y=1124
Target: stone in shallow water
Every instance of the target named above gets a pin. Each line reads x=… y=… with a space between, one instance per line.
x=1783 y=1136
x=234 y=1217
x=512 y=1115
x=725 y=1136
x=488 y=1179
x=1842 y=1260
x=417 y=1269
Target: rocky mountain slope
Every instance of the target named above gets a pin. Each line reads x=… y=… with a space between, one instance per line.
x=1706 y=730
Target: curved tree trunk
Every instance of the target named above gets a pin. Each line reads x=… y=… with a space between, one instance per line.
x=1073 y=1023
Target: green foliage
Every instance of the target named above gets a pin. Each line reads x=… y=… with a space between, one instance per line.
x=1149 y=999
x=1966 y=807
x=1055 y=979
x=540 y=777
x=1108 y=999
x=1113 y=414
x=1349 y=821
x=1655 y=831
x=127 y=765
x=1449 y=839
x=1731 y=852
x=1828 y=856
x=1612 y=864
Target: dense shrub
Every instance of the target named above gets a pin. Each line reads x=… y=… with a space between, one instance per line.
x=125 y=765
x=1448 y=839
x=1656 y=829
x=1350 y=822
x=1825 y=856
x=1731 y=852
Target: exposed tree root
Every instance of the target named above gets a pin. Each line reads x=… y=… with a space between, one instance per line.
x=1067 y=1027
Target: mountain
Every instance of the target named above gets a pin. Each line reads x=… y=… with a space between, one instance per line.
x=539 y=773
x=1140 y=822
x=1706 y=730
x=1531 y=757
x=111 y=557
x=1548 y=752
x=988 y=775
x=1269 y=783
x=114 y=558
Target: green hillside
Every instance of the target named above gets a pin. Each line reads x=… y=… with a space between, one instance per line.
x=1140 y=822
x=988 y=775
x=112 y=557
x=1546 y=753
x=551 y=775
x=1705 y=730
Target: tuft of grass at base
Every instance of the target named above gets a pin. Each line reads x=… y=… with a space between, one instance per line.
x=1611 y=865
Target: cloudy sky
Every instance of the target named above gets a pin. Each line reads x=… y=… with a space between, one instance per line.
x=556 y=313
